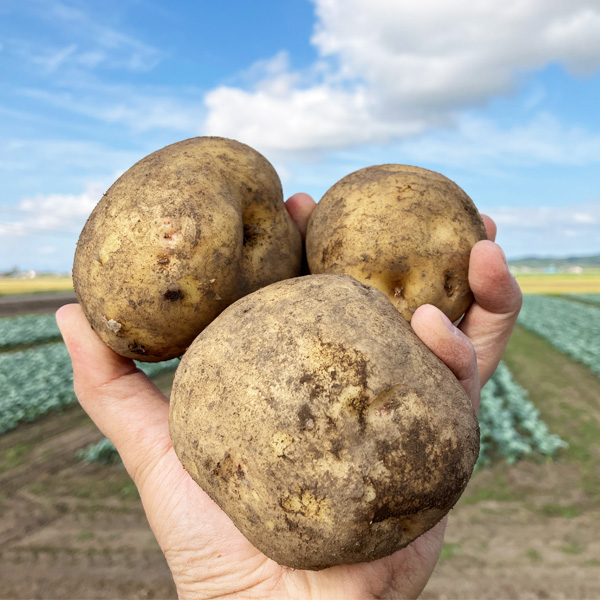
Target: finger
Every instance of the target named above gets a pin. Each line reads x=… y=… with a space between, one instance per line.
x=450 y=345
x=490 y=320
x=300 y=207
x=122 y=401
x=490 y=227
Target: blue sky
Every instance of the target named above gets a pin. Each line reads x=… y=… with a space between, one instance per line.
x=501 y=96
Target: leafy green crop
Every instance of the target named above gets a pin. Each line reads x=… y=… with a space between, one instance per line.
x=37 y=381
x=29 y=329
x=510 y=424
x=590 y=298
x=102 y=452
x=571 y=327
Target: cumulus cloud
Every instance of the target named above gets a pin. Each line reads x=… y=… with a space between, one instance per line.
x=60 y=215
x=389 y=69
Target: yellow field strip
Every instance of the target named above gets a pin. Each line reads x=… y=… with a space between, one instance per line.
x=530 y=284
x=13 y=287
x=559 y=284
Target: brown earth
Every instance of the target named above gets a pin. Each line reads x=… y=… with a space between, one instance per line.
x=531 y=530
x=11 y=306
x=71 y=530
x=527 y=531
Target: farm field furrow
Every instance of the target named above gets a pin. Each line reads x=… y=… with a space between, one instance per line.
x=510 y=424
x=593 y=299
x=70 y=529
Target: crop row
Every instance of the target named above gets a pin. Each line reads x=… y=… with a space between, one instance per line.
x=588 y=298
x=510 y=424
x=511 y=428
x=573 y=328
x=27 y=330
x=37 y=381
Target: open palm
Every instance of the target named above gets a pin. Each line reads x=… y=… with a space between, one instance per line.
x=207 y=555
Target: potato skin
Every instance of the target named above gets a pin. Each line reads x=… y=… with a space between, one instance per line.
x=317 y=420
x=180 y=236
x=405 y=230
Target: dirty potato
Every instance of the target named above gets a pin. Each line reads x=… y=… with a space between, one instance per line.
x=405 y=230
x=317 y=420
x=179 y=237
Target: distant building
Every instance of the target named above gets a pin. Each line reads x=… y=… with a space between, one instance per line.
x=550 y=270
x=575 y=270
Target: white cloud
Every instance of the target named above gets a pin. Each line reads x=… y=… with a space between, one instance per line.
x=52 y=60
x=82 y=41
x=392 y=69
x=585 y=215
x=58 y=164
x=60 y=215
x=99 y=43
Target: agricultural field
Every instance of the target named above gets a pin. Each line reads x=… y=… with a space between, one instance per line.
x=560 y=283
x=10 y=286
x=72 y=524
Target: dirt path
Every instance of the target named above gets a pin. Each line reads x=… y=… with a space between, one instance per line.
x=11 y=306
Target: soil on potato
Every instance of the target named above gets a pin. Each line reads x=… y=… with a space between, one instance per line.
x=71 y=530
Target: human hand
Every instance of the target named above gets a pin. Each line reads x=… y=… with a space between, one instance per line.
x=207 y=555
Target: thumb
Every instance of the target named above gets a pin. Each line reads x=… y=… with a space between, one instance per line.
x=450 y=345
x=121 y=400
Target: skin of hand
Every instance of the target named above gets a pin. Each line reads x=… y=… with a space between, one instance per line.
x=207 y=555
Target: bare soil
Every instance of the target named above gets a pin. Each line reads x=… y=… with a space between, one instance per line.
x=71 y=530
x=531 y=530
x=12 y=306
x=526 y=531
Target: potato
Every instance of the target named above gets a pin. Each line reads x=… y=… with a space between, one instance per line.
x=179 y=237
x=317 y=420
x=405 y=230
